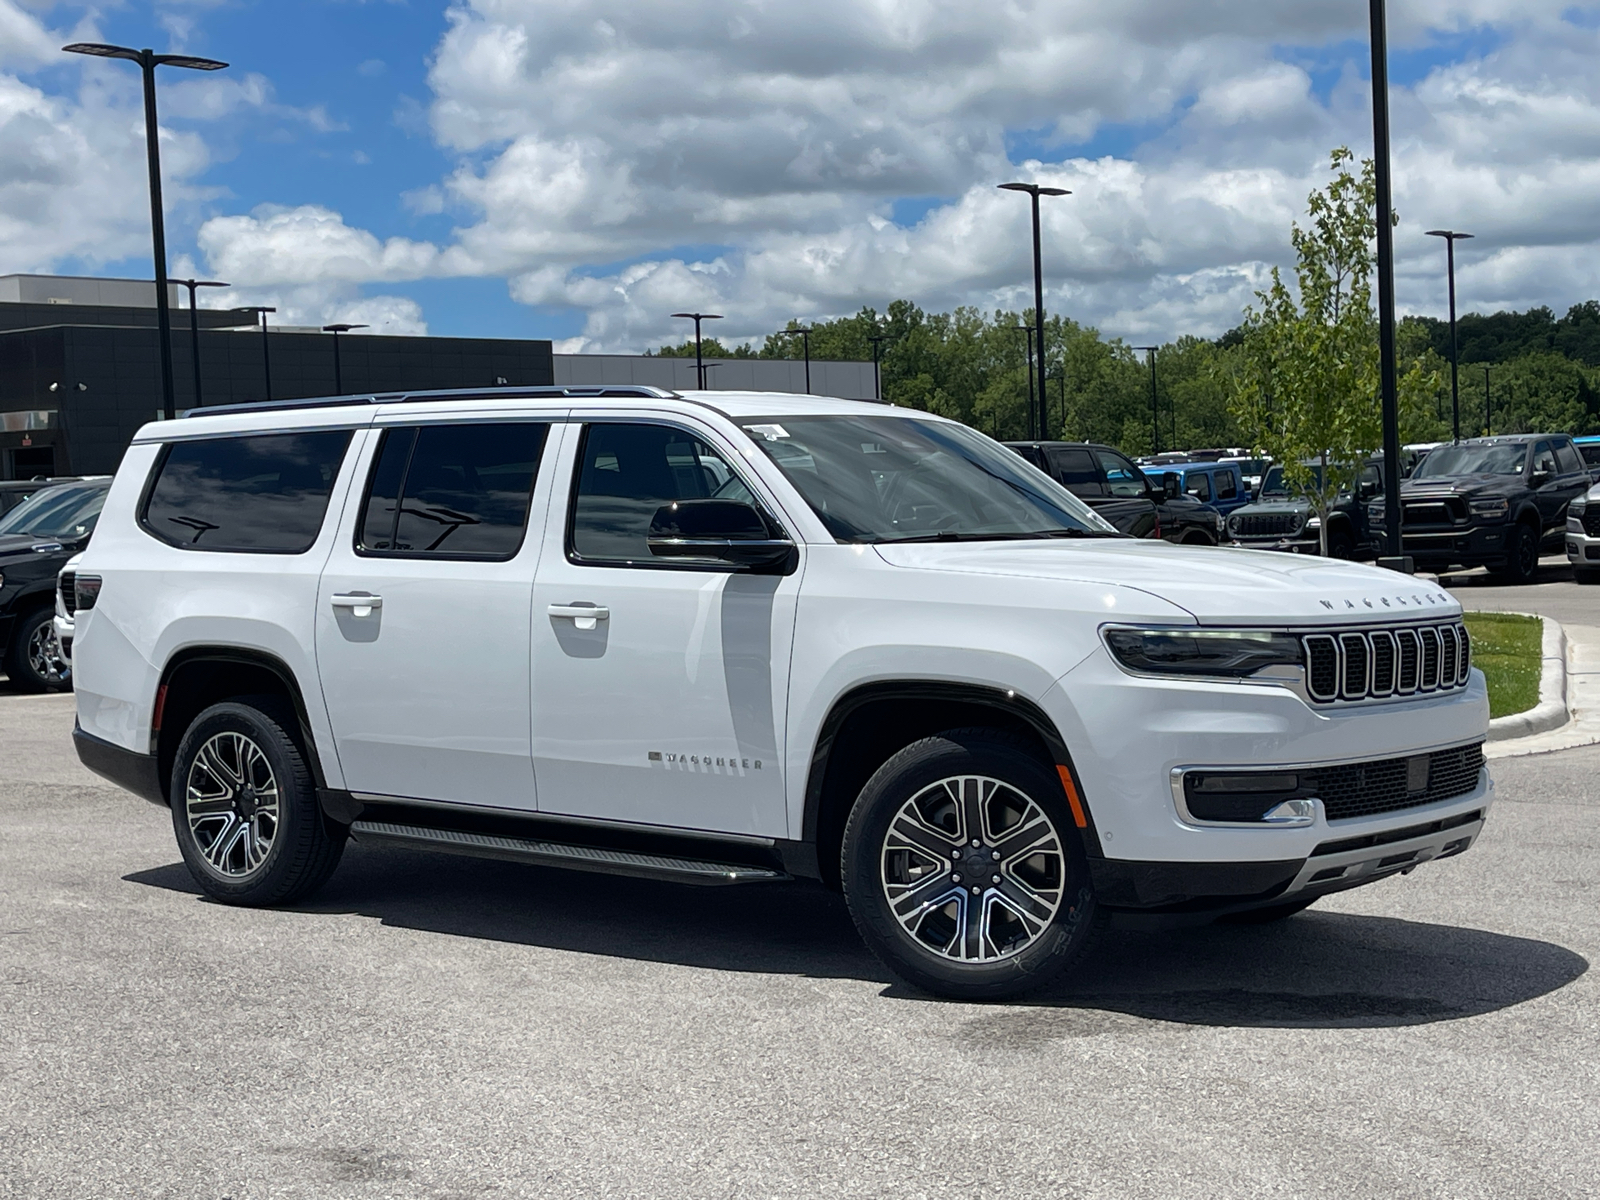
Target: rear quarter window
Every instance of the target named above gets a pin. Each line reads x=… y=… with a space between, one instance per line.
x=263 y=495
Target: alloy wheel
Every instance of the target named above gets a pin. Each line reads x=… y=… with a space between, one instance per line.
x=973 y=869
x=44 y=656
x=231 y=802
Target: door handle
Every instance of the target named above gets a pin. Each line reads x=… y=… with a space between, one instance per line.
x=360 y=604
x=584 y=616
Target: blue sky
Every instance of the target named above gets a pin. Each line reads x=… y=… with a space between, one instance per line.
x=519 y=168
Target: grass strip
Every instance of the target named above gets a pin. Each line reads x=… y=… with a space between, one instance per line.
x=1506 y=647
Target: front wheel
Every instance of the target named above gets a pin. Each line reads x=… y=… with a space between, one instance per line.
x=1523 y=563
x=245 y=810
x=1586 y=574
x=963 y=869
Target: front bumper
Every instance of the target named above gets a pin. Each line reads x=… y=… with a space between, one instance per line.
x=1582 y=550
x=1468 y=545
x=1299 y=544
x=65 y=627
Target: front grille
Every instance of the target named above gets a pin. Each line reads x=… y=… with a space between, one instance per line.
x=69 y=594
x=1446 y=510
x=1373 y=663
x=1591 y=521
x=1365 y=789
x=1267 y=524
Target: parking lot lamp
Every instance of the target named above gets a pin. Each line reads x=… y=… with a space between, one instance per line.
x=699 y=367
x=262 y=310
x=1394 y=549
x=194 y=328
x=148 y=61
x=877 y=340
x=805 y=342
x=338 y=373
x=1034 y=191
x=1155 y=412
x=1451 y=237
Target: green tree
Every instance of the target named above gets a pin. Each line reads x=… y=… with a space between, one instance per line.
x=1307 y=371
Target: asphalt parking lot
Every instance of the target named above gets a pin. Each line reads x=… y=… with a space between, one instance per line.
x=438 y=1027
x=1553 y=593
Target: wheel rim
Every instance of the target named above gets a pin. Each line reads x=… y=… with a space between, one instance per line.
x=44 y=655
x=973 y=869
x=1528 y=553
x=231 y=801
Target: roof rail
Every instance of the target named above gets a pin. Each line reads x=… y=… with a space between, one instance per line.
x=574 y=391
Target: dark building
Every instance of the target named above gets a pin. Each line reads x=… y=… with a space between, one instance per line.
x=79 y=377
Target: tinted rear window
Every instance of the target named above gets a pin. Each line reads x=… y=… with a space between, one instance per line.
x=264 y=495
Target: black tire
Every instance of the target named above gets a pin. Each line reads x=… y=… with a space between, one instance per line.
x=1523 y=563
x=1586 y=574
x=1341 y=544
x=302 y=846
x=1270 y=915
x=1198 y=539
x=1005 y=779
x=31 y=663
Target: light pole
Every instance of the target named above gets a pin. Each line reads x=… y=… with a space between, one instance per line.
x=338 y=373
x=1488 y=411
x=1155 y=412
x=194 y=328
x=877 y=341
x=1027 y=353
x=1034 y=192
x=262 y=310
x=805 y=340
x=1395 y=558
x=699 y=368
x=1451 y=237
x=148 y=61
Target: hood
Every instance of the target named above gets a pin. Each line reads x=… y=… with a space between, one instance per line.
x=1462 y=485
x=1217 y=585
x=14 y=544
x=1276 y=504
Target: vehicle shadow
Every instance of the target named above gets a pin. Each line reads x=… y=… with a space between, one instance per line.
x=1316 y=970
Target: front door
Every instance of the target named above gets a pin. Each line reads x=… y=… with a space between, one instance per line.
x=423 y=613
x=659 y=688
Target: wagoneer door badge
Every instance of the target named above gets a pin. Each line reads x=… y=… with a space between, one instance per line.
x=715 y=763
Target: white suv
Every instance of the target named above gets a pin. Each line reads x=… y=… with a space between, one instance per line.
x=729 y=637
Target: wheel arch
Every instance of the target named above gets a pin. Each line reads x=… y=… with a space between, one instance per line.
x=870 y=723
x=199 y=676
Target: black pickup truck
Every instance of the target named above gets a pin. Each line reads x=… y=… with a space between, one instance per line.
x=1107 y=481
x=1494 y=502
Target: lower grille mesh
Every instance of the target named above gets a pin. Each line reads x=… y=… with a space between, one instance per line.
x=1364 y=789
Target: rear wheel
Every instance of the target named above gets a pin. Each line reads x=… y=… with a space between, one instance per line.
x=34 y=661
x=963 y=869
x=245 y=810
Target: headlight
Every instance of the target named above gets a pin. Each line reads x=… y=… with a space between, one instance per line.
x=1579 y=506
x=1495 y=507
x=1232 y=653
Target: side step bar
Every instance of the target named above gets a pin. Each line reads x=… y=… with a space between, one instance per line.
x=557 y=854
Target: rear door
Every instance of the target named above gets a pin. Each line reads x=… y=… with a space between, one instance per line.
x=1125 y=502
x=423 y=611
x=1572 y=478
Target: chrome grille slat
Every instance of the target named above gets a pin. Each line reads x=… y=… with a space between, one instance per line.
x=1372 y=664
x=69 y=592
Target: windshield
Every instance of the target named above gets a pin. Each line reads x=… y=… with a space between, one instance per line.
x=58 y=512
x=1472 y=460
x=899 y=479
x=1274 y=485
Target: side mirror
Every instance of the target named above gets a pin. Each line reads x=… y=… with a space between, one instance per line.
x=1171 y=486
x=1538 y=479
x=1366 y=489
x=726 y=532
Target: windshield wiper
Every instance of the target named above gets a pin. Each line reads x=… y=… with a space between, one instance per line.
x=1078 y=533
x=950 y=535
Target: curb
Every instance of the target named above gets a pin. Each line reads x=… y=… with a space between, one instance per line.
x=1551 y=711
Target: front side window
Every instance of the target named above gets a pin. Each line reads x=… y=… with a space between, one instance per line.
x=626 y=473
x=452 y=491
x=1544 y=459
x=1198 y=485
x=262 y=495
x=1122 y=477
x=903 y=479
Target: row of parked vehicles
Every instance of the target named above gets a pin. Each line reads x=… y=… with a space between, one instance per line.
x=1497 y=502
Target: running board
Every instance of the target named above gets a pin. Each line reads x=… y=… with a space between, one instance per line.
x=557 y=854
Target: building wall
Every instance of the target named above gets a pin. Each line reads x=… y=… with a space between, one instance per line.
x=82 y=289
x=846 y=380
